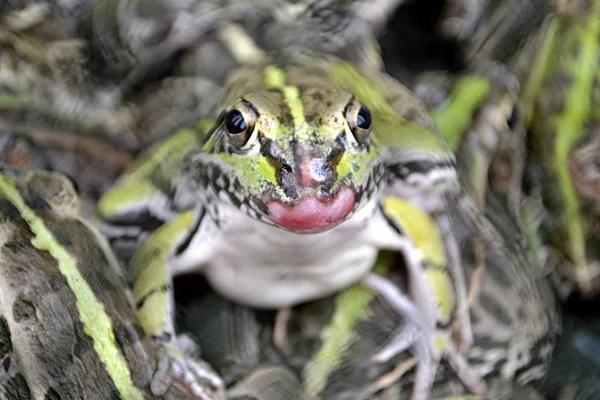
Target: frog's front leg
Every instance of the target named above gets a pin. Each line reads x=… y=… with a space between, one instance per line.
x=433 y=292
x=417 y=333
x=153 y=265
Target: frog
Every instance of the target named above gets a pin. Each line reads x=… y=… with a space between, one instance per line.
x=67 y=322
x=141 y=192
x=555 y=189
x=559 y=104
x=93 y=93
x=480 y=116
x=459 y=296
x=332 y=337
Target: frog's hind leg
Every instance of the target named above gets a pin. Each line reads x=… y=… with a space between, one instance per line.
x=438 y=293
x=457 y=273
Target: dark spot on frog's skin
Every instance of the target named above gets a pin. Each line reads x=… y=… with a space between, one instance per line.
x=574 y=52
x=192 y=232
x=52 y=394
x=57 y=282
x=65 y=239
x=38 y=204
x=5 y=343
x=329 y=103
x=23 y=310
x=563 y=81
x=412 y=114
x=124 y=335
x=17 y=388
x=160 y=289
x=498 y=311
x=317 y=96
x=82 y=343
x=6 y=364
x=237 y=186
x=9 y=211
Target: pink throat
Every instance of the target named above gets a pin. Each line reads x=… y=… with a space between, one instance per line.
x=311 y=214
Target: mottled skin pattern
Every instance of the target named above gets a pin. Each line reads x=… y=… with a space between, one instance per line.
x=45 y=350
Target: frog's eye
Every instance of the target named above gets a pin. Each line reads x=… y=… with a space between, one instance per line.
x=359 y=121
x=513 y=118
x=240 y=123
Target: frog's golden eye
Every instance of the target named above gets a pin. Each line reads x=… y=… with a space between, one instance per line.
x=240 y=123
x=359 y=121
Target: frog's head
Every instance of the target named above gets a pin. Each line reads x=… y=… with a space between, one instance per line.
x=303 y=159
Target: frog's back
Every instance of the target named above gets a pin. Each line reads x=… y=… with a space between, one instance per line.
x=67 y=324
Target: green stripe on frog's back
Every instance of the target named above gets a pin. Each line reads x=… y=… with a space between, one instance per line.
x=152 y=175
x=96 y=322
x=275 y=79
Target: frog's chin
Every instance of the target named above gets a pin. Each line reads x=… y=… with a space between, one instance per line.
x=311 y=214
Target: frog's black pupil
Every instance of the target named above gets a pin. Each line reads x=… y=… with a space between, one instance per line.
x=514 y=117
x=234 y=122
x=363 y=119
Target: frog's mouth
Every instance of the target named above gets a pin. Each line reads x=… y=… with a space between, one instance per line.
x=311 y=213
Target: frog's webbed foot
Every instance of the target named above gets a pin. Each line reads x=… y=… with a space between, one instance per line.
x=417 y=334
x=177 y=365
x=399 y=302
x=420 y=334
x=401 y=341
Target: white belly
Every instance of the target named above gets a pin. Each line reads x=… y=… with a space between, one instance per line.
x=262 y=266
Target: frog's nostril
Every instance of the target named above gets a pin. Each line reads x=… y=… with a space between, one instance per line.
x=315 y=171
x=285 y=169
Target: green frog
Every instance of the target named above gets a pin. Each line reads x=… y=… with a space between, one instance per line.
x=316 y=162
x=559 y=102
x=480 y=116
x=331 y=339
x=67 y=322
x=556 y=65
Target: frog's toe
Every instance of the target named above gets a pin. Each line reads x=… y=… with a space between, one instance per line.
x=426 y=368
x=174 y=366
x=465 y=337
x=465 y=372
x=197 y=381
x=400 y=303
x=401 y=341
x=410 y=336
